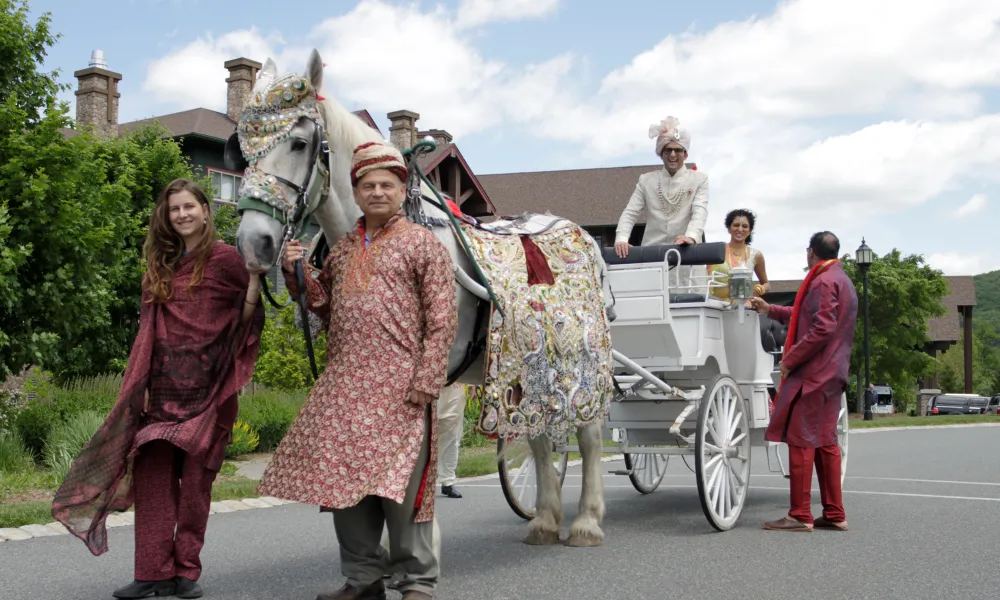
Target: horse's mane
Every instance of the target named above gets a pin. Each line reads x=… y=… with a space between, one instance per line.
x=342 y=124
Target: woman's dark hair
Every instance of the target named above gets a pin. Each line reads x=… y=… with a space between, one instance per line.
x=742 y=212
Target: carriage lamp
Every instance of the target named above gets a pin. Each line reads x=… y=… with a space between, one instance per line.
x=864 y=257
x=740 y=287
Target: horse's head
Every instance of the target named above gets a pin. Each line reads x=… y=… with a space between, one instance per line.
x=281 y=146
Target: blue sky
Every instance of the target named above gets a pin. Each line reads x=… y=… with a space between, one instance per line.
x=870 y=119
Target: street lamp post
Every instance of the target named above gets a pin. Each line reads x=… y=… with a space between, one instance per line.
x=863 y=258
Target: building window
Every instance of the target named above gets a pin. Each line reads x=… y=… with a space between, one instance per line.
x=225 y=186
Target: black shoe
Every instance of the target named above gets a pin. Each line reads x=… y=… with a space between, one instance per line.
x=450 y=491
x=186 y=588
x=375 y=591
x=145 y=589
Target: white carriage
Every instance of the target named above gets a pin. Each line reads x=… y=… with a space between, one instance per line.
x=693 y=378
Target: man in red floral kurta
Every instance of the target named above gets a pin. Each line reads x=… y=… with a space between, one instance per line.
x=363 y=445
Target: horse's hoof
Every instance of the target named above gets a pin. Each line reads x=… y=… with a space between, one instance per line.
x=542 y=537
x=585 y=535
x=585 y=540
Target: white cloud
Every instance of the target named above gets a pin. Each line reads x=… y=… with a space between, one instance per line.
x=479 y=12
x=836 y=114
x=975 y=205
x=958 y=263
x=193 y=76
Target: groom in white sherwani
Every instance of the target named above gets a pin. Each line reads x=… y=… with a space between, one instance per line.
x=674 y=199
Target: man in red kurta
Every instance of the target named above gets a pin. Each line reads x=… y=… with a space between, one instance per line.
x=363 y=445
x=814 y=368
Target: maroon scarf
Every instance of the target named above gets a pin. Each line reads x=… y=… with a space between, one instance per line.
x=194 y=355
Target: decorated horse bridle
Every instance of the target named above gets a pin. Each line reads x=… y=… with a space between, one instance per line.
x=267 y=121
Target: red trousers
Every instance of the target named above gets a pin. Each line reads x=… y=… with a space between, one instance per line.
x=800 y=470
x=173 y=492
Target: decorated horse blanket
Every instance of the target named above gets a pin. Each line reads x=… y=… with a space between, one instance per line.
x=548 y=364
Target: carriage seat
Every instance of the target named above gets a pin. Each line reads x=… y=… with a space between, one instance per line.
x=694 y=255
x=772 y=334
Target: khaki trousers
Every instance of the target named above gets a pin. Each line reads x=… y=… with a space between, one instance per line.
x=451 y=418
x=364 y=561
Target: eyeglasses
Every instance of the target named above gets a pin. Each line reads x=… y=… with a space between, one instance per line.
x=674 y=150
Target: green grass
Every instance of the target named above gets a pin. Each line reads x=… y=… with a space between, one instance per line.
x=39 y=482
x=923 y=421
x=25 y=513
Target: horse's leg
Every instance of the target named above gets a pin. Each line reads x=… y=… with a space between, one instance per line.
x=544 y=528
x=586 y=529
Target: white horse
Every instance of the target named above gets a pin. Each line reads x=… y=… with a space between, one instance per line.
x=259 y=239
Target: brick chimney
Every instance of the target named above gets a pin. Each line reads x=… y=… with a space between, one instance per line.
x=97 y=96
x=242 y=76
x=403 y=128
x=440 y=136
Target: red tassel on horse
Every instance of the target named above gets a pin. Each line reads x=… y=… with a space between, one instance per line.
x=538 y=268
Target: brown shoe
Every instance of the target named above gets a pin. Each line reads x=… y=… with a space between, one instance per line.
x=415 y=595
x=375 y=591
x=824 y=523
x=787 y=524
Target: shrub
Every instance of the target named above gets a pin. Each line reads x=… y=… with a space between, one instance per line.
x=11 y=403
x=245 y=440
x=471 y=438
x=270 y=413
x=34 y=422
x=98 y=394
x=14 y=457
x=66 y=440
x=282 y=362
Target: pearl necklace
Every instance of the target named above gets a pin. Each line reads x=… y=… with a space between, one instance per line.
x=673 y=199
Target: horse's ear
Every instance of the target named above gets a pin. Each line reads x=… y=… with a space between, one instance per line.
x=267 y=74
x=314 y=70
x=233 y=155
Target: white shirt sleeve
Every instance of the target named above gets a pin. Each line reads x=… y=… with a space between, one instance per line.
x=699 y=212
x=635 y=208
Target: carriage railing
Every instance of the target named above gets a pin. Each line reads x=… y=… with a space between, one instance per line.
x=700 y=284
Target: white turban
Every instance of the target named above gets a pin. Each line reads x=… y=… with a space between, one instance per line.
x=668 y=130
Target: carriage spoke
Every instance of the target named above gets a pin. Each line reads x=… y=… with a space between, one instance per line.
x=738 y=439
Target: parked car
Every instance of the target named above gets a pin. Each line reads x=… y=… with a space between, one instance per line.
x=993 y=408
x=957 y=404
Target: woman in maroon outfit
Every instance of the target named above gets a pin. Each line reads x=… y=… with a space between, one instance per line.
x=163 y=443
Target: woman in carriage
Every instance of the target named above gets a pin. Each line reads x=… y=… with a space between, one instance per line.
x=739 y=254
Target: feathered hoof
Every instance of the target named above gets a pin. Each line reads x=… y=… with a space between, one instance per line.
x=585 y=536
x=542 y=537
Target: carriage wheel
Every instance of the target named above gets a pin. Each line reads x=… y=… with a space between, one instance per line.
x=722 y=452
x=843 y=427
x=647 y=470
x=517 y=475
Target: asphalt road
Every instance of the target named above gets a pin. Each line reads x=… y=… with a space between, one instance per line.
x=924 y=510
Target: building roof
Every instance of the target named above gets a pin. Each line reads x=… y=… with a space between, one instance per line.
x=946 y=328
x=428 y=162
x=205 y=123
x=198 y=121
x=588 y=197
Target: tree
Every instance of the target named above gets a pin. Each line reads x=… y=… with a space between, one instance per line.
x=58 y=224
x=73 y=216
x=903 y=292
x=135 y=168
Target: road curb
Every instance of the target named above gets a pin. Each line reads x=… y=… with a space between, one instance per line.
x=125 y=519
x=921 y=427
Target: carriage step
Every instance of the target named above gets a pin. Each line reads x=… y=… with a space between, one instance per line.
x=621 y=472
